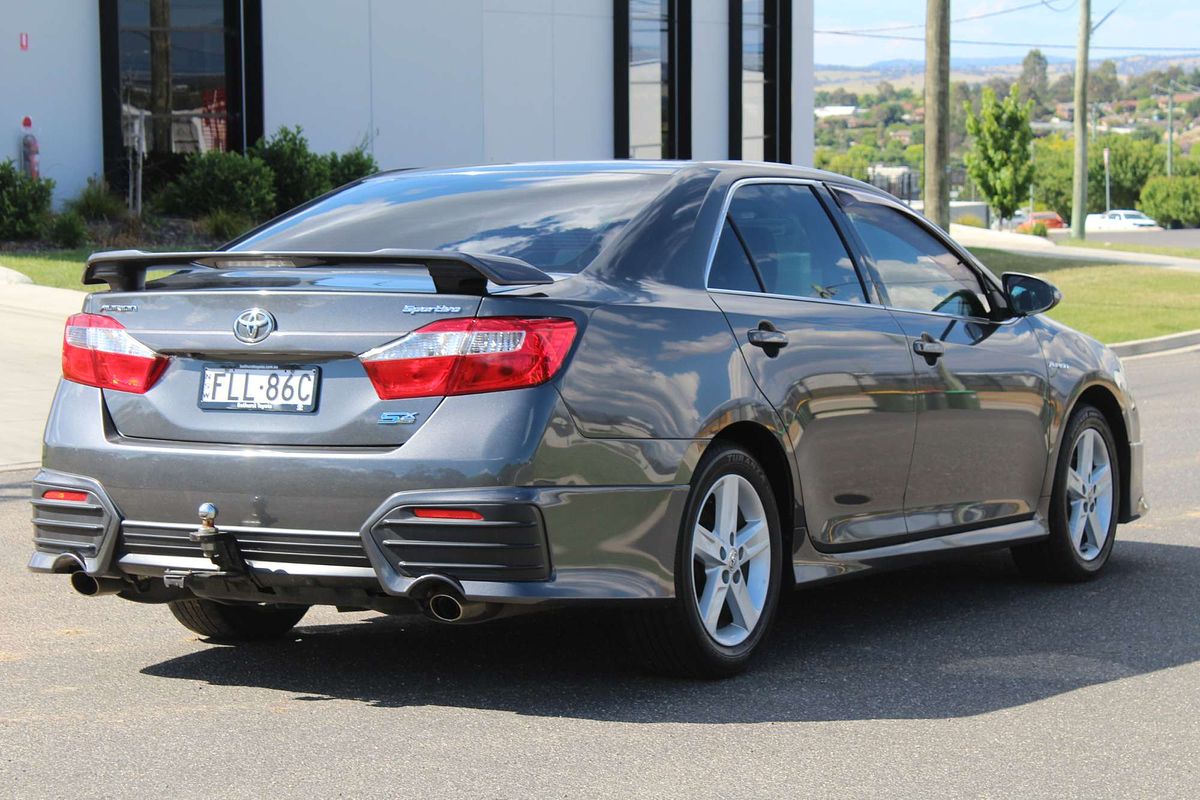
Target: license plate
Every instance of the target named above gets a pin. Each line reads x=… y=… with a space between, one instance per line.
x=260 y=388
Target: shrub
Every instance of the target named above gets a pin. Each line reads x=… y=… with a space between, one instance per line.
x=96 y=203
x=24 y=203
x=299 y=173
x=217 y=181
x=224 y=225
x=351 y=166
x=1173 y=201
x=68 y=230
x=1039 y=229
x=970 y=220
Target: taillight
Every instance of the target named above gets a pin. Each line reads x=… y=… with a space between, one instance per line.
x=97 y=351
x=467 y=356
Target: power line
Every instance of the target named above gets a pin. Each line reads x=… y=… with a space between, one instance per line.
x=984 y=15
x=1134 y=48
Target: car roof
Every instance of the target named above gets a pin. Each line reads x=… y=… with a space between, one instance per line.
x=764 y=168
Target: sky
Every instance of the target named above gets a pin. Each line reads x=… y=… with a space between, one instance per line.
x=1134 y=25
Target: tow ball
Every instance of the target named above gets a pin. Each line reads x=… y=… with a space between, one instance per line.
x=219 y=547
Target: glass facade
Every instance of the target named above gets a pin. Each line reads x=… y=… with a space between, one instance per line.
x=652 y=92
x=756 y=83
x=649 y=78
x=174 y=83
x=760 y=66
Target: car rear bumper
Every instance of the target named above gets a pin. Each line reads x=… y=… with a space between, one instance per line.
x=535 y=544
x=327 y=518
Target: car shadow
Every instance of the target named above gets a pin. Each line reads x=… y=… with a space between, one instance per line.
x=951 y=639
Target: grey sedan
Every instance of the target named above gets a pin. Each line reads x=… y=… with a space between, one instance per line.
x=676 y=389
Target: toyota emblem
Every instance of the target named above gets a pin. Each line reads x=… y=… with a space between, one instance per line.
x=253 y=325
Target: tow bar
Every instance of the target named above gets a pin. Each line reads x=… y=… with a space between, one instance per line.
x=219 y=547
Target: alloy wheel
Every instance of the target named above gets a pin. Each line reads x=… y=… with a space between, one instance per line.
x=1089 y=494
x=731 y=560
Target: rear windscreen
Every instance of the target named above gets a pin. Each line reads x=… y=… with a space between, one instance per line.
x=556 y=221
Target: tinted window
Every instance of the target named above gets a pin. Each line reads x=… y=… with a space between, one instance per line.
x=731 y=266
x=792 y=242
x=558 y=222
x=918 y=272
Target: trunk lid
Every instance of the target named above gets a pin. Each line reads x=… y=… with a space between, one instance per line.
x=323 y=319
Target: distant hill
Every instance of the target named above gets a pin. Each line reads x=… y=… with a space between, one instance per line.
x=910 y=73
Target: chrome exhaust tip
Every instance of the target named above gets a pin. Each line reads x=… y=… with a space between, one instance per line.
x=445 y=607
x=90 y=586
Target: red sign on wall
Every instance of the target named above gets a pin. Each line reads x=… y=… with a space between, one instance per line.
x=24 y=41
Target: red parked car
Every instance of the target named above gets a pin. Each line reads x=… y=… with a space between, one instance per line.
x=1050 y=219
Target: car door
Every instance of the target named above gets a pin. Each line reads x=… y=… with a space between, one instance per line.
x=835 y=366
x=981 y=443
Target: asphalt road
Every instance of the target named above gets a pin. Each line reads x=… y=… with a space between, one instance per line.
x=1185 y=237
x=957 y=680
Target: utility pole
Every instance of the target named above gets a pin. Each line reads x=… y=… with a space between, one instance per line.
x=1170 y=125
x=1079 y=182
x=937 y=112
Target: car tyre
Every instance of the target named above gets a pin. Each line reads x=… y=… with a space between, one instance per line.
x=235 y=623
x=737 y=584
x=1084 y=505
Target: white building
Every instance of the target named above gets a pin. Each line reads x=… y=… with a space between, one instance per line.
x=418 y=82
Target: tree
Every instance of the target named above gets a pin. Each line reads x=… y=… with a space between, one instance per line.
x=1033 y=83
x=999 y=159
x=1132 y=162
x=1103 y=84
x=1063 y=88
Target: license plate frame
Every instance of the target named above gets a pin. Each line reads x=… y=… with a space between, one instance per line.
x=268 y=407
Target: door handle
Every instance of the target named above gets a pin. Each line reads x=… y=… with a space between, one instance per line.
x=762 y=337
x=929 y=347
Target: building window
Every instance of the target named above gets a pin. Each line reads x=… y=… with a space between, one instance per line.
x=760 y=68
x=175 y=78
x=652 y=80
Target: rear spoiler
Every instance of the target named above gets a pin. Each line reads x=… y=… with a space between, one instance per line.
x=453 y=272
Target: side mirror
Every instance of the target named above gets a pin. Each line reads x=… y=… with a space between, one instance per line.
x=1028 y=295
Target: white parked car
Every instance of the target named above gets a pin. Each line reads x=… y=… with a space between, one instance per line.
x=1120 y=220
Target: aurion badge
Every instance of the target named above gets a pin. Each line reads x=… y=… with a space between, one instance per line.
x=253 y=325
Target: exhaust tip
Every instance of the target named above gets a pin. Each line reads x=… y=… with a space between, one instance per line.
x=85 y=584
x=445 y=607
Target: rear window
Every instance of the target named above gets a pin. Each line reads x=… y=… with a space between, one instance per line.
x=557 y=221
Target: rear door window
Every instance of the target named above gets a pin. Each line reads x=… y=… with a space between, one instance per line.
x=787 y=239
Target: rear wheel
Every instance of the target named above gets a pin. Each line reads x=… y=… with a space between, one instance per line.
x=727 y=573
x=235 y=623
x=1084 y=505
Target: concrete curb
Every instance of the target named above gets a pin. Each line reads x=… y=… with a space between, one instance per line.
x=1141 y=347
x=12 y=276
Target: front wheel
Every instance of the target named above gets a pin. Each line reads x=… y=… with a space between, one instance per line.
x=235 y=623
x=1084 y=506
x=727 y=573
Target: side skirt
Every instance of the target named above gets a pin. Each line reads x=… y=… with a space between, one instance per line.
x=812 y=566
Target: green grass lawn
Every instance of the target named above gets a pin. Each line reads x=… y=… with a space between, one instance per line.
x=61 y=268
x=1113 y=302
x=1128 y=247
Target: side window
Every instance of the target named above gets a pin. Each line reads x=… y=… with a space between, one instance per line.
x=731 y=268
x=918 y=272
x=791 y=242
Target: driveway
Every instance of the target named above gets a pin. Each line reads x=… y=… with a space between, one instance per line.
x=953 y=680
x=31 y=330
